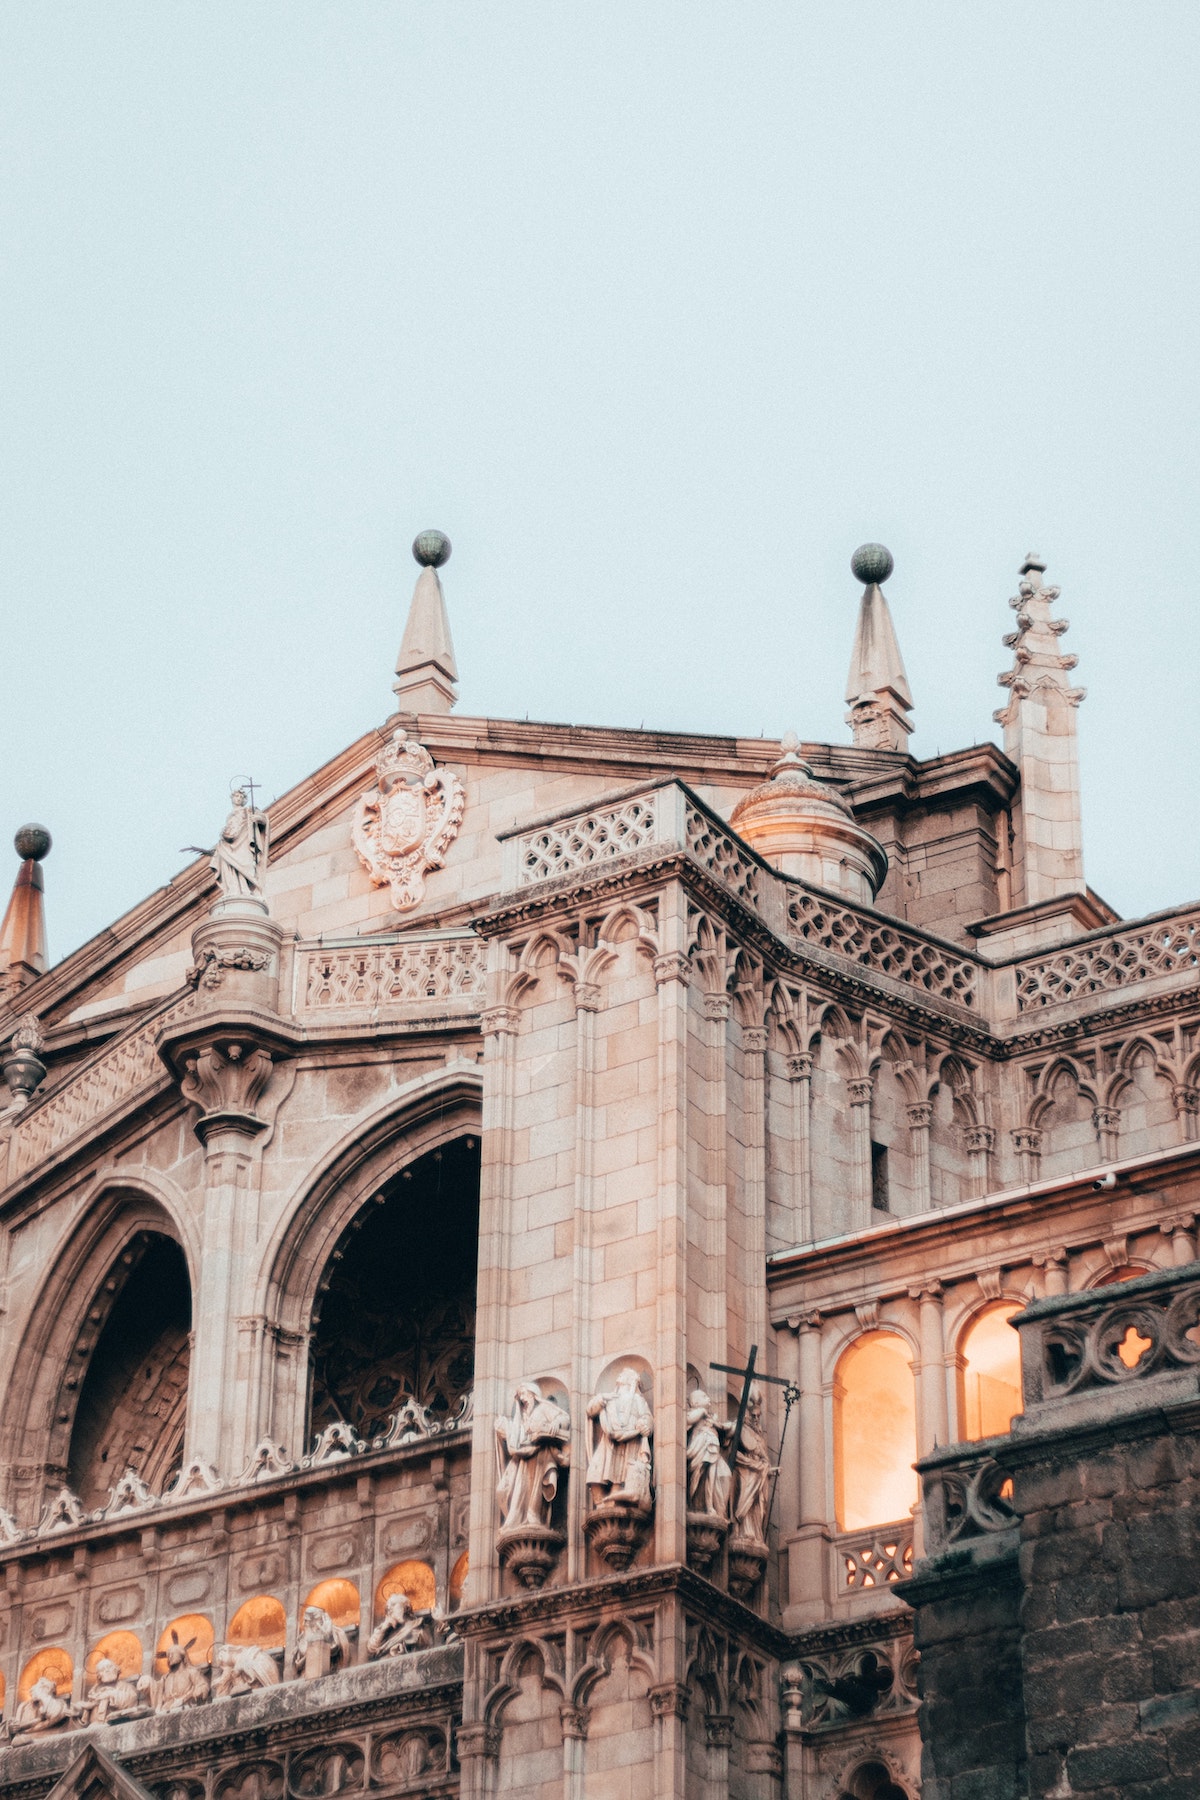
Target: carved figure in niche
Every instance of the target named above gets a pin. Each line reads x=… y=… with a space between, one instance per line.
x=400 y=1629
x=112 y=1696
x=239 y=861
x=184 y=1684
x=329 y=1771
x=709 y=1478
x=45 y=1710
x=404 y=826
x=531 y=1448
x=241 y=1668
x=320 y=1646
x=620 y=1468
x=754 y=1471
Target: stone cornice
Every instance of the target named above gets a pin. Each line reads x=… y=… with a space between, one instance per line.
x=522 y=1612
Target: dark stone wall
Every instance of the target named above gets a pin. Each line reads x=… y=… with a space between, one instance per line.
x=1110 y=1616
x=967 y=1630
x=1057 y=1612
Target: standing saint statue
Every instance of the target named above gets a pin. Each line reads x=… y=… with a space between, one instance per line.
x=620 y=1465
x=239 y=861
x=531 y=1447
x=709 y=1479
x=754 y=1470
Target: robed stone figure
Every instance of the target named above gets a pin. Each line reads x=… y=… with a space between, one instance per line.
x=531 y=1446
x=239 y=861
x=620 y=1464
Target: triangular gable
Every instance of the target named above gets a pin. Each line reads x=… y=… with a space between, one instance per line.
x=96 y=1776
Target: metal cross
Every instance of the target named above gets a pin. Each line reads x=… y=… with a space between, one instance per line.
x=751 y=1375
x=251 y=788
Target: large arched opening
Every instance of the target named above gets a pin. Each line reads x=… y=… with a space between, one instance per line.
x=394 y=1318
x=132 y=1407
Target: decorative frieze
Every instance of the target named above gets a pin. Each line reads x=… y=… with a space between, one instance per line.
x=416 y=972
x=1166 y=945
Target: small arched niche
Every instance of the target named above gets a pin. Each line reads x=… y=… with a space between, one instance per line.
x=872 y=1781
x=134 y=1350
x=396 y=1312
x=193 y=1633
x=416 y=1579
x=875 y=1432
x=261 y=1621
x=339 y=1598
x=991 y=1372
x=53 y=1662
x=121 y=1647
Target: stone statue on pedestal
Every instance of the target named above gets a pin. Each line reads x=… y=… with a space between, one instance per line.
x=321 y=1644
x=112 y=1697
x=620 y=1466
x=532 y=1447
x=399 y=1631
x=239 y=861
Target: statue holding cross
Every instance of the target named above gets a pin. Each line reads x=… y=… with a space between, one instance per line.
x=239 y=861
x=748 y=1454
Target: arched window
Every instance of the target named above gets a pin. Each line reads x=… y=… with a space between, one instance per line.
x=52 y=1663
x=133 y=1398
x=397 y=1314
x=339 y=1598
x=875 y=1432
x=991 y=1374
x=122 y=1647
x=412 y=1578
x=260 y=1620
x=872 y=1781
x=1127 y=1272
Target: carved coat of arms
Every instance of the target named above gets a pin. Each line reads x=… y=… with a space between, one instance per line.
x=405 y=825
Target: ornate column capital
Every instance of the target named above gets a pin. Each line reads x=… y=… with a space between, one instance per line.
x=573 y=1720
x=920 y=1114
x=499 y=1021
x=860 y=1088
x=804 y=1321
x=718 y=1730
x=672 y=965
x=477 y=1740
x=979 y=1138
x=587 y=996
x=1027 y=1140
x=928 y=1293
x=799 y=1067
x=231 y=1067
x=669 y=1700
x=717 y=1008
x=754 y=1039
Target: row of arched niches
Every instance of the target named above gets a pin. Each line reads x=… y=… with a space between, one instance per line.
x=259 y=1622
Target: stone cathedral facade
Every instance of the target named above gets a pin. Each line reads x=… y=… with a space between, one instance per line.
x=391 y=1206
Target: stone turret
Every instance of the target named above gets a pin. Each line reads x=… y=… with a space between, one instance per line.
x=877 y=691
x=804 y=828
x=426 y=672
x=23 y=931
x=1040 y=736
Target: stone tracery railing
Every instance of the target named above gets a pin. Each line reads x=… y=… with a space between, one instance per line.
x=1111 y=1336
x=440 y=967
x=125 y=1068
x=875 y=1558
x=567 y=846
x=919 y=961
x=1131 y=953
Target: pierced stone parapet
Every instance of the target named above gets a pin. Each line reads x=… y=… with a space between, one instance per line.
x=439 y=968
x=1111 y=1337
x=571 y=845
x=887 y=949
x=875 y=1558
x=1116 y=959
x=968 y=1497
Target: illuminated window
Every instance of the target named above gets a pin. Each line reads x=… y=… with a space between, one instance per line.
x=875 y=1432
x=991 y=1352
x=1129 y=1272
x=458 y=1581
x=260 y=1621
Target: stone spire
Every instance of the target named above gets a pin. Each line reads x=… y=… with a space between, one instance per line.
x=1040 y=736
x=426 y=672
x=23 y=931
x=877 y=691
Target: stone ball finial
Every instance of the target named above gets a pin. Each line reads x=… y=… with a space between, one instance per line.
x=872 y=563
x=32 y=843
x=431 y=549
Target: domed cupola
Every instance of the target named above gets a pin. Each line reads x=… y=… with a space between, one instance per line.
x=804 y=828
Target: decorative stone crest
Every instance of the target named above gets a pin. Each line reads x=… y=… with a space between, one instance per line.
x=406 y=823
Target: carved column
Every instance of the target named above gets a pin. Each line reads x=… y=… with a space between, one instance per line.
x=716 y=1014
x=478 y=1748
x=587 y=1002
x=1107 y=1120
x=574 y=1723
x=808 y=1559
x=1054 y=1271
x=669 y=1704
x=499 y=1025
x=979 y=1140
x=799 y=1073
x=754 y=1181
x=933 y=1403
x=1186 y=1101
x=1180 y=1233
x=920 y=1117
x=672 y=973
x=1027 y=1142
x=859 y=1090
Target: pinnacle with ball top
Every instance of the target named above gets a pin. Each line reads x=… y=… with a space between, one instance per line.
x=431 y=549
x=32 y=843
x=872 y=564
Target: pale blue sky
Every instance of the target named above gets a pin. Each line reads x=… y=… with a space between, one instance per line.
x=658 y=310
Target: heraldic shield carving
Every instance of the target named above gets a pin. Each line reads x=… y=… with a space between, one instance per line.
x=405 y=825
